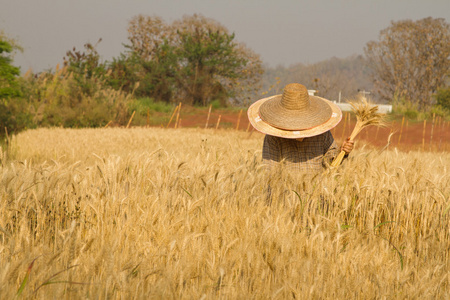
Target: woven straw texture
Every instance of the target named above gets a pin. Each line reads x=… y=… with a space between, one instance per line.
x=303 y=119
x=295 y=109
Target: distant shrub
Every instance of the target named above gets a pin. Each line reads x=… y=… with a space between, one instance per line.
x=142 y=105
x=438 y=110
x=411 y=114
x=58 y=99
x=15 y=116
x=216 y=104
x=443 y=98
x=148 y=111
x=406 y=108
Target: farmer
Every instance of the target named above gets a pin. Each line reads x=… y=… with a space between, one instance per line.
x=297 y=128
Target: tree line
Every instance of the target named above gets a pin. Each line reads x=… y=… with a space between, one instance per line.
x=196 y=60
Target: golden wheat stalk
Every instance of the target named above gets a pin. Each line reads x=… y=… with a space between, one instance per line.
x=366 y=115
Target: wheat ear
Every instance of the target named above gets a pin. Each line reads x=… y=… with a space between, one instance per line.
x=366 y=115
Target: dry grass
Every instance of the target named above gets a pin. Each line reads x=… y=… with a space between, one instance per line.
x=160 y=213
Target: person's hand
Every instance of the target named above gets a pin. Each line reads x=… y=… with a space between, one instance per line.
x=347 y=146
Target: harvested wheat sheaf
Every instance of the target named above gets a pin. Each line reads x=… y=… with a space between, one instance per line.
x=186 y=213
x=366 y=115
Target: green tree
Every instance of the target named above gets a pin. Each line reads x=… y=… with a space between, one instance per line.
x=86 y=67
x=9 y=86
x=208 y=60
x=443 y=98
x=14 y=115
x=193 y=60
x=411 y=60
x=123 y=72
x=160 y=73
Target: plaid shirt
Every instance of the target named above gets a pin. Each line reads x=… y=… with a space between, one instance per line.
x=309 y=156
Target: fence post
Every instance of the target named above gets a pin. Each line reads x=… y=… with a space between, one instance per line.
x=207 y=119
x=401 y=131
x=218 y=122
x=239 y=120
x=131 y=119
x=432 y=129
x=423 y=134
x=178 y=115
x=173 y=114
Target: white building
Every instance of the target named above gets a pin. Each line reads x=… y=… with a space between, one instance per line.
x=382 y=108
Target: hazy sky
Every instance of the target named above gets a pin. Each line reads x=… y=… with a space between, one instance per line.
x=283 y=32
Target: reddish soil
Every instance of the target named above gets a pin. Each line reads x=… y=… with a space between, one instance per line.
x=410 y=136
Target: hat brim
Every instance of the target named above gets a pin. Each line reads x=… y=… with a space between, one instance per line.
x=266 y=128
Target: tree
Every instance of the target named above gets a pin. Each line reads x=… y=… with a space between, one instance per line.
x=194 y=60
x=86 y=67
x=443 y=98
x=411 y=60
x=86 y=63
x=154 y=77
x=9 y=86
x=124 y=72
x=13 y=109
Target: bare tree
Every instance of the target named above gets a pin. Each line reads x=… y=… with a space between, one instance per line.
x=146 y=33
x=411 y=60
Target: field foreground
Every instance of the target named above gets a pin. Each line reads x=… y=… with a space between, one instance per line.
x=161 y=213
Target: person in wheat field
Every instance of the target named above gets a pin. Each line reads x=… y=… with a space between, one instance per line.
x=297 y=127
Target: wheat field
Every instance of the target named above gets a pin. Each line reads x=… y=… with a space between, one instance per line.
x=153 y=213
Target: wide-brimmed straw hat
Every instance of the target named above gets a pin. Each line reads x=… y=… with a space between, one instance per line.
x=294 y=114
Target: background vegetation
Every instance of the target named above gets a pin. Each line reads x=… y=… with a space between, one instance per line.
x=411 y=60
x=196 y=61
x=347 y=76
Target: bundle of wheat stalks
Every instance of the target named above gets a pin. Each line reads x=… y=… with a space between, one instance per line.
x=366 y=115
